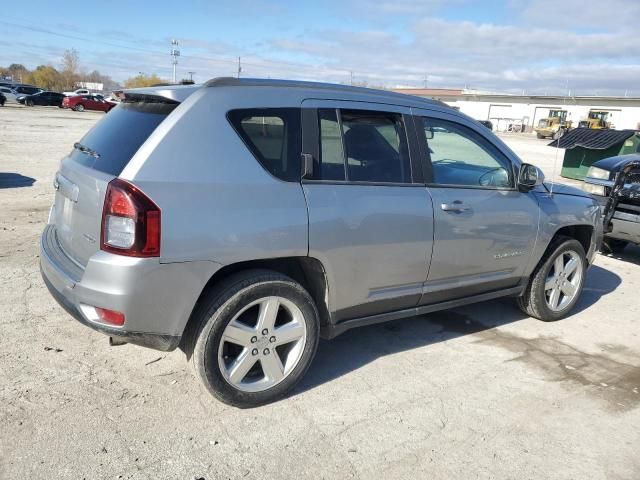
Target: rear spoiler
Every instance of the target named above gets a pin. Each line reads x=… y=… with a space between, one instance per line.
x=161 y=94
x=134 y=97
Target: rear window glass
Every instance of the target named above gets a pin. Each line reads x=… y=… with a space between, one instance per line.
x=274 y=137
x=119 y=135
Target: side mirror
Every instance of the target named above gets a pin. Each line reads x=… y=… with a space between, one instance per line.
x=529 y=177
x=429 y=133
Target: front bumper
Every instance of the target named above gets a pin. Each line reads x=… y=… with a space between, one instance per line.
x=156 y=299
x=625 y=224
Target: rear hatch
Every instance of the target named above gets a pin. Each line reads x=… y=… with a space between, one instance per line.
x=95 y=160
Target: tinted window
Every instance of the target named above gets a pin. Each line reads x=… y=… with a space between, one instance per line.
x=460 y=156
x=331 y=161
x=118 y=136
x=274 y=137
x=376 y=146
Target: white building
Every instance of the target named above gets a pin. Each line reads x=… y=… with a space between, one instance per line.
x=503 y=109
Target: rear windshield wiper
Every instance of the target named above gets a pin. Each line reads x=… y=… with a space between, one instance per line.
x=86 y=150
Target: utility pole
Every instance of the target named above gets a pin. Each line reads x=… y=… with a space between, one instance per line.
x=239 y=67
x=175 y=53
x=351 y=77
x=191 y=76
x=426 y=81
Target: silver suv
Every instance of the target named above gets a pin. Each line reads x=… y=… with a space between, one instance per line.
x=241 y=220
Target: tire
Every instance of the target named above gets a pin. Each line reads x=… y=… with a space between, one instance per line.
x=539 y=135
x=79 y=108
x=534 y=301
x=29 y=103
x=231 y=309
x=613 y=245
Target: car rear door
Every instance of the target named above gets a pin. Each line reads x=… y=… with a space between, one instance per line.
x=485 y=229
x=370 y=217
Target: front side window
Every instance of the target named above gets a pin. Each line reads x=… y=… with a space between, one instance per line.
x=460 y=156
x=274 y=137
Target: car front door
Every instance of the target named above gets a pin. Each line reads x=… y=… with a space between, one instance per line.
x=370 y=217
x=485 y=229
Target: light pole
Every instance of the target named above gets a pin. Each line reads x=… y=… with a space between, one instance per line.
x=175 y=53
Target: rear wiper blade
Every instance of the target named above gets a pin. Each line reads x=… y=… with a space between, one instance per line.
x=86 y=150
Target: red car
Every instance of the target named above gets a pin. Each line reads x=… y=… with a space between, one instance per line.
x=88 y=102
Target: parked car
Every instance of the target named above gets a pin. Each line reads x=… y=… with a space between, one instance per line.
x=624 y=225
x=80 y=103
x=78 y=91
x=9 y=94
x=23 y=90
x=3 y=99
x=42 y=98
x=243 y=219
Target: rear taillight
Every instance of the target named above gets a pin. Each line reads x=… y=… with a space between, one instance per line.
x=130 y=221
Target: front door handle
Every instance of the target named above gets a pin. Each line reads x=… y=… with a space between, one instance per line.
x=456 y=206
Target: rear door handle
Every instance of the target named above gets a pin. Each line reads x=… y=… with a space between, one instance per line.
x=456 y=206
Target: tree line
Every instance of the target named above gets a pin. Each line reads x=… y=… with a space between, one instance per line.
x=69 y=73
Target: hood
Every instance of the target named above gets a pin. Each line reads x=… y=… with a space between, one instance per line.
x=562 y=189
x=615 y=164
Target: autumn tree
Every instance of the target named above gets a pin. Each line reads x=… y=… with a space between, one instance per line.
x=143 y=80
x=46 y=77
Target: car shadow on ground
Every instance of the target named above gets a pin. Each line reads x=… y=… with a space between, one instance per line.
x=358 y=347
x=630 y=254
x=15 y=180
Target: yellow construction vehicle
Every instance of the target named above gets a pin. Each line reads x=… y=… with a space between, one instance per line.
x=596 y=119
x=554 y=126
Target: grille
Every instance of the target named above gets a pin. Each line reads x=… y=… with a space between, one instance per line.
x=633 y=177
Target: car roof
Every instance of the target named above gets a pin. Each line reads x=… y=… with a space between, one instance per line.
x=179 y=93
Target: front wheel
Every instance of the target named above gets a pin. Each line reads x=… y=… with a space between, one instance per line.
x=557 y=281
x=29 y=103
x=256 y=336
x=79 y=108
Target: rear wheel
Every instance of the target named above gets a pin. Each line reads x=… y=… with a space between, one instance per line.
x=256 y=336
x=79 y=108
x=557 y=281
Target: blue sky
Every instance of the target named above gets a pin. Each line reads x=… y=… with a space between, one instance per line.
x=537 y=46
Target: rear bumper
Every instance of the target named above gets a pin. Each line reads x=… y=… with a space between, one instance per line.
x=156 y=299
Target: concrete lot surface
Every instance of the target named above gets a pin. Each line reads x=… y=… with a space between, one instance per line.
x=477 y=392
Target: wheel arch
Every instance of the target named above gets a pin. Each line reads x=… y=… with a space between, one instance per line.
x=581 y=233
x=307 y=271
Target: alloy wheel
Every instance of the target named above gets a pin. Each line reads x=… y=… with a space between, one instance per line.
x=564 y=280
x=262 y=344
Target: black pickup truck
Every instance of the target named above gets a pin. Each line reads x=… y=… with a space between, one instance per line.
x=615 y=182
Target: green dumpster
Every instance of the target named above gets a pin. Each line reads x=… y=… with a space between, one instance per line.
x=584 y=146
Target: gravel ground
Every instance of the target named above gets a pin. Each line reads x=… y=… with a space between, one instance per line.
x=476 y=392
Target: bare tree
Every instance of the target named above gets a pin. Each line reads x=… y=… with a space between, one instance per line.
x=70 y=68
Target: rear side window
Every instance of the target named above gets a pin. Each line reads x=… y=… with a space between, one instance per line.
x=274 y=137
x=119 y=135
x=363 y=146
